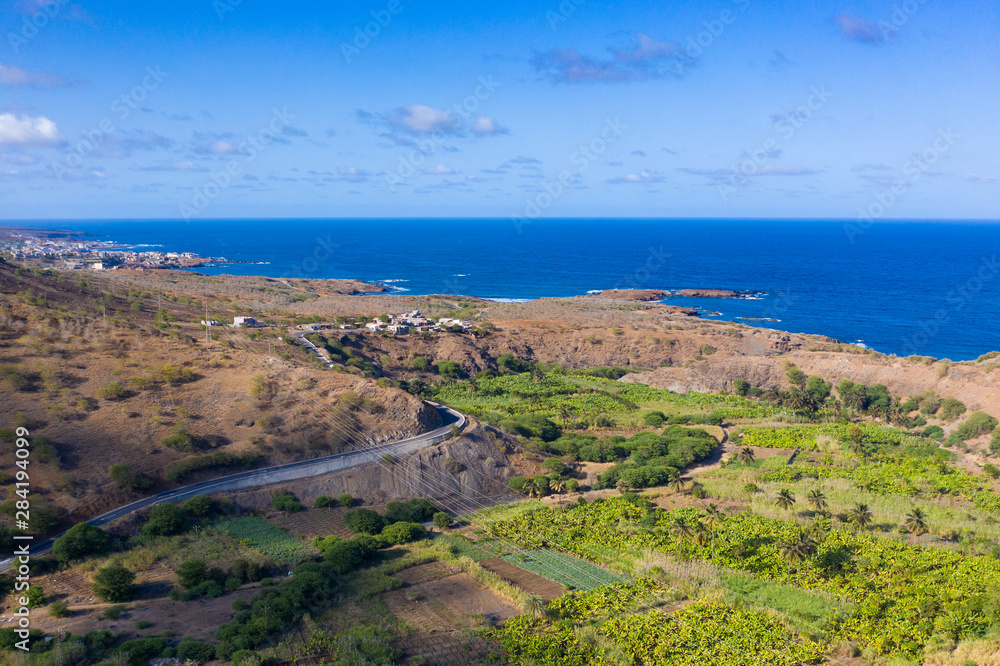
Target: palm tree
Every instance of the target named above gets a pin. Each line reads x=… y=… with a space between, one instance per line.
x=702 y=536
x=916 y=522
x=785 y=499
x=531 y=489
x=557 y=485
x=860 y=516
x=712 y=517
x=746 y=455
x=535 y=606
x=565 y=412
x=681 y=530
x=799 y=548
x=676 y=483
x=622 y=486
x=816 y=500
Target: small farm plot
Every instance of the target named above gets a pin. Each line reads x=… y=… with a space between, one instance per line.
x=267 y=539
x=564 y=569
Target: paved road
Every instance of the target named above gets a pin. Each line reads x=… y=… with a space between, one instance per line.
x=278 y=473
x=300 y=337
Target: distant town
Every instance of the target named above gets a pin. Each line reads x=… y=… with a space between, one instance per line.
x=69 y=250
x=397 y=324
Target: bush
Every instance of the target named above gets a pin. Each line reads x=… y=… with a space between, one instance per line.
x=190 y=649
x=420 y=363
x=751 y=488
x=323 y=502
x=934 y=432
x=345 y=500
x=654 y=419
x=572 y=485
x=247 y=571
x=741 y=386
x=198 y=506
x=992 y=470
x=412 y=511
x=346 y=555
x=166 y=519
x=58 y=609
x=179 y=441
x=113 y=391
x=192 y=573
x=128 y=479
x=143 y=624
x=951 y=409
x=995 y=442
x=403 y=532
x=114 y=584
x=553 y=465
x=364 y=521
x=978 y=423
x=442 y=520
x=448 y=369
x=286 y=501
x=81 y=541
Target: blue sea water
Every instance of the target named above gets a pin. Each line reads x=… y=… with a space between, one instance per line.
x=916 y=287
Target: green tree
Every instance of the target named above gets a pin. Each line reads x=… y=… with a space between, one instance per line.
x=654 y=419
x=795 y=377
x=785 y=499
x=192 y=573
x=449 y=369
x=741 y=386
x=746 y=455
x=364 y=521
x=81 y=541
x=114 y=584
x=978 y=423
x=951 y=409
x=345 y=500
x=818 y=388
x=442 y=520
x=860 y=516
x=284 y=500
x=128 y=479
x=166 y=519
x=816 y=500
x=916 y=522
x=198 y=506
x=323 y=501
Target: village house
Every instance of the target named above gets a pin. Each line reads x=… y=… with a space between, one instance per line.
x=241 y=322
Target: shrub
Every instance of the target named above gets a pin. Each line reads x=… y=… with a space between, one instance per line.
x=448 y=369
x=995 y=442
x=166 y=519
x=751 y=488
x=128 y=479
x=345 y=555
x=796 y=377
x=114 y=584
x=323 y=502
x=247 y=571
x=403 y=532
x=192 y=573
x=81 y=541
x=554 y=465
x=951 y=409
x=978 y=423
x=345 y=500
x=181 y=440
x=190 y=649
x=198 y=506
x=364 y=521
x=992 y=470
x=413 y=511
x=572 y=485
x=442 y=520
x=741 y=386
x=58 y=609
x=420 y=363
x=113 y=391
x=934 y=432
x=284 y=500
x=654 y=419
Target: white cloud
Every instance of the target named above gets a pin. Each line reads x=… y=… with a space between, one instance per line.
x=183 y=165
x=439 y=170
x=424 y=119
x=27 y=131
x=15 y=77
x=486 y=125
x=643 y=176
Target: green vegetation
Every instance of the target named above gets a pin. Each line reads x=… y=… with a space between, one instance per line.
x=567 y=570
x=114 y=583
x=266 y=539
x=284 y=500
x=81 y=541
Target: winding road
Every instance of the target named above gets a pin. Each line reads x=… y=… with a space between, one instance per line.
x=269 y=475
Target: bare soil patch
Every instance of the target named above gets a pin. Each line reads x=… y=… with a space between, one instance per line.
x=527 y=581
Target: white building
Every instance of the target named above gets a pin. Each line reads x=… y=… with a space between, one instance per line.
x=375 y=326
x=240 y=322
x=399 y=328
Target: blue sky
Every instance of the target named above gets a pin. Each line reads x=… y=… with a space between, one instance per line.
x=730 y=108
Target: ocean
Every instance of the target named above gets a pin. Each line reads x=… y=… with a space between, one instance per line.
x=916 y=287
